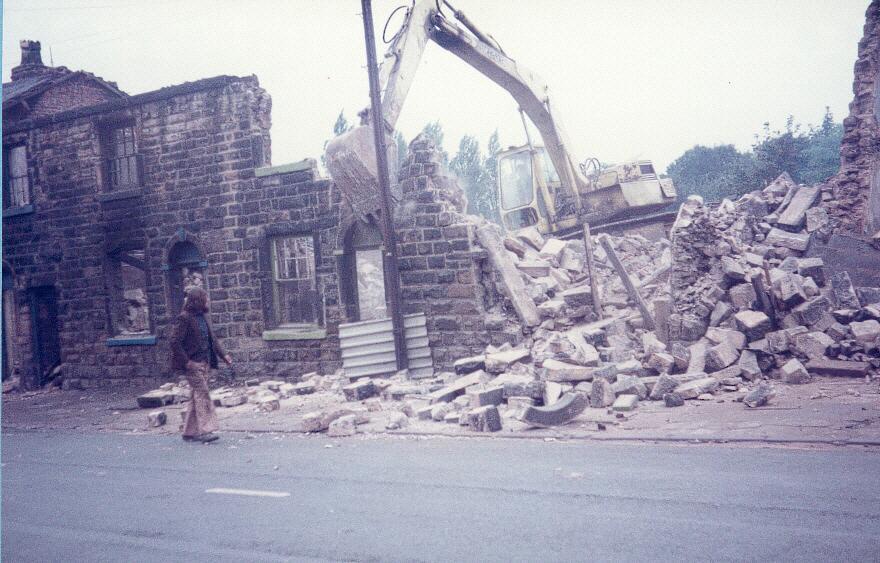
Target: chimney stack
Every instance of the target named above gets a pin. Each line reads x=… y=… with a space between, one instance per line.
x=31 y=61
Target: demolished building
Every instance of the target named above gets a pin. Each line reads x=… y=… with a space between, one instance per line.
x=743 y=291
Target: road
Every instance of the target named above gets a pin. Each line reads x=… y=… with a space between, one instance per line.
x=113 y=497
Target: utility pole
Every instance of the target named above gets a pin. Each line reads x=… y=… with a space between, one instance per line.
x=392 y=280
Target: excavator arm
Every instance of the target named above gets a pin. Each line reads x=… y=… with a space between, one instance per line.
x=349 y=157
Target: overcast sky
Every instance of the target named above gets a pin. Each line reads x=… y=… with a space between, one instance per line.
x=631 y=79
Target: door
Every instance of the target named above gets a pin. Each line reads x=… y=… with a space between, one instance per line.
x=47 y=348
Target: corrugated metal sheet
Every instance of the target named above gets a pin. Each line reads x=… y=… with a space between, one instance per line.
x=368 y=347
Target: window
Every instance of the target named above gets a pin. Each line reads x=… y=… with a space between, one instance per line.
x=124 y=162
x=129 y=308
x=294 y=282
x=16 y=187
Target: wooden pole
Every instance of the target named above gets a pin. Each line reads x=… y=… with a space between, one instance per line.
x=591 y=270
x=627 y=282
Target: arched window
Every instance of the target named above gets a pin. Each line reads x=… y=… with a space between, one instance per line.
x=362 y=273
x=186 y=269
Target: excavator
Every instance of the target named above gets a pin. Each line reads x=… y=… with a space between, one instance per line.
x=539 y=185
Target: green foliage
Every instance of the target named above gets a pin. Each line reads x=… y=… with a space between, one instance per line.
x=717 y=172
x=476 y=175
x=341 y=126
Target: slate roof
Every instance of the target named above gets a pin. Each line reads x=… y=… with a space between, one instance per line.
x=18 y=90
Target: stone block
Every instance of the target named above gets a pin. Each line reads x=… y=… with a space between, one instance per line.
x=343 y=426
x=812 y=344
x=742 y=296
x=720 y=356
x=789 y=290
x=816 y=219
x=396 y=421
x=233 y=399
x=555 y=370
x=267 y=403
x=359 y=390
x=661 y=362
x=625 y=403
x=793 y=241
x=493 y=395
x=843 y=294
x=812 y=268
x=673 y=400
x=759 y=396
x=694 y=389
x=630 y=385
x=424 y=413
x=865 y=332
x=157 y=418
x=534 y=268
x=456 y=388
x=720 y=313
x=629 y=367
x=837 y=368
x=837 y=331
x=304 y=388
x=748 y=365
x=602 y=394
x=552 y=249
x=579 y=296
x=516 y=246
x=465 y=366
x=812 y=311
x=500 y=362
x=794 y=217
x=794 y=372
x=484 y=419
x=562 y=412
x=520 y=402
x=440 y=410
x=452 y=418
x=726 y=335
x=754 y=324
x=532 y=237
x=664 y=384
x=732 y=269
x=681 y=354
x=531 y=389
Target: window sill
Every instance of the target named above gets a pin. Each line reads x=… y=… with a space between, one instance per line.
x=132 y=340
x=20 y=210
x=121 y=194
x=295 y=333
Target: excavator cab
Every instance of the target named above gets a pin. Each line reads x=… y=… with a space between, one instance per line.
x=530 y=191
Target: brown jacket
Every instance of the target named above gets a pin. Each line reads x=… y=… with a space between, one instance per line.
x=185 y=340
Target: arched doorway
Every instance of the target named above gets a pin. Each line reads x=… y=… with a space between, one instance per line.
x=362 y=272
x=186 y=269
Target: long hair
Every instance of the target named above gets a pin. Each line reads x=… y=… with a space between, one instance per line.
x=196 y=301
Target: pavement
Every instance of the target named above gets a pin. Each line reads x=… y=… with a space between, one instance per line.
x=824 y=411
x=104 y=496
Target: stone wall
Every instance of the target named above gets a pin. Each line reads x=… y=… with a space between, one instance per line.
x=201 y=145
x=856 y=188
x=443 y=272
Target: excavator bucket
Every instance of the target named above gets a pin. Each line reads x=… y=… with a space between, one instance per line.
x=351 y=161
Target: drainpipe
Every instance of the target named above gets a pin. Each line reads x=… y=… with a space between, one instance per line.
x=388 y=234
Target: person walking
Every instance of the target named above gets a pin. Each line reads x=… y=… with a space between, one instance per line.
x=194 y=351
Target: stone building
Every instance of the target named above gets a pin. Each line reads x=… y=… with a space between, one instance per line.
x=113 y=204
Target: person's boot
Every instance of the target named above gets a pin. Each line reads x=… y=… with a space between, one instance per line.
x=208 y=438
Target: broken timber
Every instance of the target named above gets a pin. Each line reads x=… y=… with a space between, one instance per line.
x=511 y=280
x=627 y=282
x=594 y=286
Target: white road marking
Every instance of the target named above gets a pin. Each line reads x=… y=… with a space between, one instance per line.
x=248 y=492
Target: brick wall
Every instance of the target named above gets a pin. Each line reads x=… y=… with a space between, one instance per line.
x=442 y=269
x=200 y=144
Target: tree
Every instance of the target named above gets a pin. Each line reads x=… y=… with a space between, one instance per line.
x=467 y=165
x=341 y=126
x=713 y=172
x=780 y=151
x=821 y=157
x=489 y=195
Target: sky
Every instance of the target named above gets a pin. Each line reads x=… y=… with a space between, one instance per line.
x=631 y=79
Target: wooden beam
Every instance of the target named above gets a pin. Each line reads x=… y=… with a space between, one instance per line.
x=511 y=279
x=627 y=282
x=591 y=270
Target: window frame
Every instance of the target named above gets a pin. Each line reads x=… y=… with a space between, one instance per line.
x=9 y=189
x=278 y=283
x=114 y=262
x=121 y=158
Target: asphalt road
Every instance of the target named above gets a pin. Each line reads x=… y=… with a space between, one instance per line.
x=113 y=497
